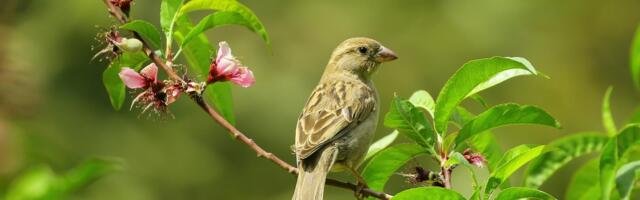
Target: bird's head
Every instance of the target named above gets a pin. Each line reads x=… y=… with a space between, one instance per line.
x=359 y=56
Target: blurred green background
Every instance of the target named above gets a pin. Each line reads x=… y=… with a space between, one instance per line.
x=54 y=109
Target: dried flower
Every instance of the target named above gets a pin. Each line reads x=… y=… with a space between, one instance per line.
x=124 y=5
x=474 y=158
x=227 y=68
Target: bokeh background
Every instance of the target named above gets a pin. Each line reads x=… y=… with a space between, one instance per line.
x=54 y=109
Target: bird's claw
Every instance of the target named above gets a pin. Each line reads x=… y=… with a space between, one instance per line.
x=360 y=195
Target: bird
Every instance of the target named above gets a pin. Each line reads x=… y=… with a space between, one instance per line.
x=339 y=119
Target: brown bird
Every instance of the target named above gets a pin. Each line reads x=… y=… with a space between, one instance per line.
x=339 y=119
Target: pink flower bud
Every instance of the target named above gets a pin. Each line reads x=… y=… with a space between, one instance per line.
x=474 y=158
x=130 y=44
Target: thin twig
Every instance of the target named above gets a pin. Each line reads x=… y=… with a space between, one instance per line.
x=115 y=12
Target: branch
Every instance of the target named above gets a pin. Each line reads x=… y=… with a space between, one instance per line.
x=115 y=12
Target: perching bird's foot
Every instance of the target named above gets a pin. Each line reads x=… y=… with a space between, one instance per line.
x=360 y=195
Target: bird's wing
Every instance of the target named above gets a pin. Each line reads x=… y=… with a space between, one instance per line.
x=334 y=108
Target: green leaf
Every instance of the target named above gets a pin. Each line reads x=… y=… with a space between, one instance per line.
x=381 y=144
x=488 y=146
x=146 y=30
x=88 y=172
x=484 y=142
x=220 y=19
x=585 y=183
x=198 y=53
x=607 y=118
x=562 y=152
x=635 y=59
x=168 y=12
x=35 y=183
x=513 y=159
x=505 y=114
x=456 y=158
x=612 y=153
x=473 y=77
x=384 y=164
x=626 y=177
x=111 y=79
x=231 y=6
x=428 y=193
x=408 y=119
x=422 y=99
x=480 y=100
x=42 y=183
x=523 y=193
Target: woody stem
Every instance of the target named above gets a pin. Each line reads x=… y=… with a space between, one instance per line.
x=117 y=13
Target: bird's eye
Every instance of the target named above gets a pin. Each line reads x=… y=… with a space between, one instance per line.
x=363 y=50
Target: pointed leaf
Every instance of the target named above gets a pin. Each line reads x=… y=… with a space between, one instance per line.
x=197 y=54
x=111 y=80
x=607 y=118
x=149 y=32
x=514 y=159
x=626 y=177
x=218 y=19
x=381 y=144
x=505 y=114
x=585 y=183
x=523 y=193
x=484 y=142
x=611 y=154
x=229 y=6
x=88 y=172
x=423 y=99
x=480 y=100
x=635 y=59
x=384 y=164
x=168 y=13
x=428 y=193
x=36 y=183
x=473 y=77
x=562 y=151
x=410 y=121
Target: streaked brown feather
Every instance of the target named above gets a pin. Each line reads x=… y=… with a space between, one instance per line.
x=334 y=107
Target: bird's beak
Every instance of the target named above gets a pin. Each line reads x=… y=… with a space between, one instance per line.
x=385 y=55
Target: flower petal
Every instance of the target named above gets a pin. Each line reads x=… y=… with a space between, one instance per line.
x=223 y=51
x=131 y=78
x=227 y=66
x=150 y=72
x=243 y=77
x=173 y=92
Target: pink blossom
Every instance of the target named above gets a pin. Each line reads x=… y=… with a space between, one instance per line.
x=157 y=94
x=227 y=68
x=134 y=80
x=243 y=77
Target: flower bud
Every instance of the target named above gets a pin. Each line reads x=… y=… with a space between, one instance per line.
x=130 y=44
x=474 y=158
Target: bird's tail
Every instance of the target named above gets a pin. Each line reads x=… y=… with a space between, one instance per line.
x=312 y=173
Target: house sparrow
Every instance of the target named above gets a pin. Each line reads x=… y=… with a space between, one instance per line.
x=339 y=119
